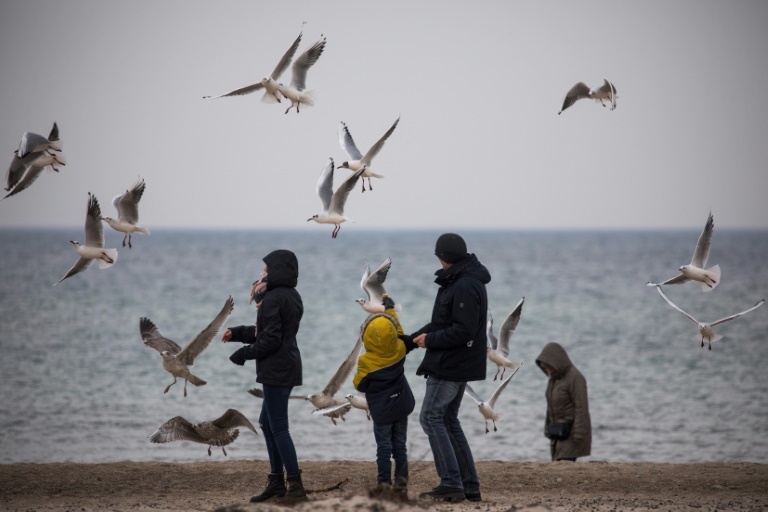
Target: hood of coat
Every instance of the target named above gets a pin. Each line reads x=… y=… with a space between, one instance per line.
x=282 y=268
x=555 y=356
x=382 y=347
x=470 y=266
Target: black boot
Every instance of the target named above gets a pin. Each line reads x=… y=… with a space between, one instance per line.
x=275 y=487
x=295 y=493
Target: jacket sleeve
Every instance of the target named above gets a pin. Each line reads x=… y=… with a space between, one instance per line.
x=243 y=333
x=269 y=338
x=581 y=423
x=465 y=314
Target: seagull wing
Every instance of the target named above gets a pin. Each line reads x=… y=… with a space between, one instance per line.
x=176 y=429
x=325 y=185
x=675 y=280
x=22 y=182
x=31 y=143
x=304 y=62
x=344 y=371
x=200 y=342
x=153 y=338
x=363 y=281
x=658 y=289
x=15 y=171
x=286 y=59
x=333 y=408
x=576 y=93
x=492 y=339
x=233 y=419
x=722 y=320
x=128 y=204
x=80 y=265
x=239 y=92
x=471 y=394
x=371 y=153
x=701 y=254
x=508 y=328
x=340 y=196
x=94 y=229
x=347 y=143
x=374 y=285
x=495 y=395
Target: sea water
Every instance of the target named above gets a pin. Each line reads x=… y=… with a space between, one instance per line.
x=78 y=385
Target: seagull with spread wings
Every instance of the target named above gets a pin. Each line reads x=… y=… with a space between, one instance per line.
x=93 y=250
x=373 y=286
x=498 y=351
x=34 y=154
x=127 y=205
x=296 y=91
x=333 y=202
x=486 y=408
x=177 y=360
x=357 y=160
x=706 y=332
x=606 y=92
x=219 y=432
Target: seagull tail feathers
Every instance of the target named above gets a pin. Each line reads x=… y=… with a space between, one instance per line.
x=269 y=97
x=112 y=255
x=140 y=229
x=195 y=380
x=307 y=98
x=713 y=275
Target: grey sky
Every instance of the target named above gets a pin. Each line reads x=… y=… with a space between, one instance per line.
x=477 y=85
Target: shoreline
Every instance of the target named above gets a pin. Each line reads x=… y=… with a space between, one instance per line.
x=344 y=485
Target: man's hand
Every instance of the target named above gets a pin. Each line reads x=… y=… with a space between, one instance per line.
x=421 y=340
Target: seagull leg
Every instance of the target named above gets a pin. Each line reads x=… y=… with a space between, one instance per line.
x=369 y=415
x=129 y=241
x=225 y=451
x=126 y=236
x=494 y=426
x=486 y=427
x=370 y=187
x=363 y=182
x=702 y=342
x=185 y=388
x=289 y=108
x=174 y=379
x=209 y=450
x=710 y=344
x=503 y=370
x=297 y=107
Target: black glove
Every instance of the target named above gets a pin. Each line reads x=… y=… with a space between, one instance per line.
x=388 y=303
x=406 y=338
x=237 y=357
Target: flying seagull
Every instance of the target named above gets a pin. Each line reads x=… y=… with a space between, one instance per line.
x=606 y=92
x=373 y=286
x=177 y=360
x=337 y=410
x=127 y=205
x=34 y=154
x=295 y=92
x=358 y=160
x=498 y=351
x=487 y=408
x=219 y=432
x=268 y=83
x=94 y=242
x=695 y=271
x=706 y=331
x=358 y=401
x=333 y=202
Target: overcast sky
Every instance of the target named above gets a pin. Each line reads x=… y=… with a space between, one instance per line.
x=477 y=86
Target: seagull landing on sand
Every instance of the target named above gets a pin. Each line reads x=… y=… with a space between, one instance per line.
x=498 y=352
x=35 y=153
x=358 y=160
x=177 y=360
x=373 y=286
x=295 y=92
x=333 y=202
x=487 y=408
x=127 y=205
x=359 y=402
x=606 y=92
x=268 y=83
x=94 y=242
x=706 y=333
x=219 y=432
x=694 y=271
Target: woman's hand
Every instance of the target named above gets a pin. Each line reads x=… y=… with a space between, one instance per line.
x=226 y=336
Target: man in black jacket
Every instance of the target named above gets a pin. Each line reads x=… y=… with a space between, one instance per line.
x=455 y=341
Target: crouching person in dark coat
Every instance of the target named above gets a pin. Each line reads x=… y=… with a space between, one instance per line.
x=380 y=375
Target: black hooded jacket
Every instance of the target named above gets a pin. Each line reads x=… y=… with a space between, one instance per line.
x=274 y=347
x=456 y=338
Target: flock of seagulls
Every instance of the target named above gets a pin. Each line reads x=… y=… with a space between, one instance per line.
x=708 y=278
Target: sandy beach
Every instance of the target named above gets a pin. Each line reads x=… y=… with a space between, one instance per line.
x=344 y=486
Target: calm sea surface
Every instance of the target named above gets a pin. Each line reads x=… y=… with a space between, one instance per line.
x=78 y=385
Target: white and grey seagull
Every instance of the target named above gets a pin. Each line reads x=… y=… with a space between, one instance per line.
x=219 y=432
x=706 y=332
x=34 y=154
x=487 y=408
x=373 y=286
x=269 y=83
x=357 y=159
x=333 y=202
x=177 y=360
x=127 y=205
x=93 y=249
x=296 y=91
x=606 y=92
x=498 y=351
x=694 y=271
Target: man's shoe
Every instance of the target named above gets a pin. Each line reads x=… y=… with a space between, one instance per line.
x=444 y=494
x=473 y=496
